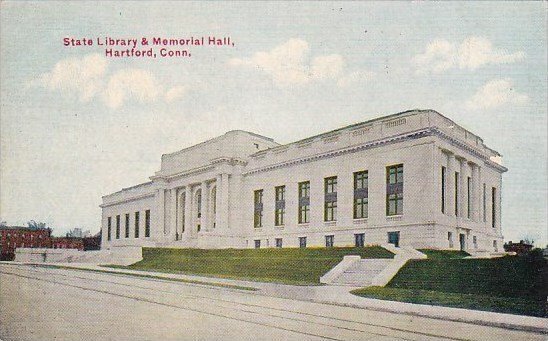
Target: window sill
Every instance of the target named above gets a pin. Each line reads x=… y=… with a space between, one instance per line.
x=330 y=223
x=303 y=224
x=394 y=217
x=279 y=227
x=358 y=221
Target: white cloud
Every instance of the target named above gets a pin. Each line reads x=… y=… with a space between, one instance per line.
x=354 y=78
x=175 y=93
x=327 y=67
x=439 y=56
x=87 y=78
x=129 y=84
x=288 y=64
x=80 y=76
x=477 y=51
x=496 y=93
x=472 y=53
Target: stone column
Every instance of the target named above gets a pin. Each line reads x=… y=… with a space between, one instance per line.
x=218 y=202
x=479 y=191
x=172 y=228
x=450 y=186
x=189 y=212
x=160 y=209
x=498 y=205
x=225 y=223
x=204 y=224
x=475 y=193
x=463 y=209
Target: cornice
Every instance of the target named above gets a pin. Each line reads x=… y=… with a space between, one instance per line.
x=194 y=171
x=231 y=161
x=431 y=131
x=343 y=151
x=125 y=200
x=455 y=142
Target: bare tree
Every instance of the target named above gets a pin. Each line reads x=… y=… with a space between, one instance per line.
x=37 y=225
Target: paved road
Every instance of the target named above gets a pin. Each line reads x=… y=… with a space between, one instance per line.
x=39 y=303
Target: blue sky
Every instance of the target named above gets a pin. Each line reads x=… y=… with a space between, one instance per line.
x=76 y=125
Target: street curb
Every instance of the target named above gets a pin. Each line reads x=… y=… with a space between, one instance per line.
x=505 y=325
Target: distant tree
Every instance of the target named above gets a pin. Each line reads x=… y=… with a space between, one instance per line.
x=37 y=225
x=528 y=239
x=3 y=223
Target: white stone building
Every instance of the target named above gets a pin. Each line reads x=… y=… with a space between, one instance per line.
x=414 y=178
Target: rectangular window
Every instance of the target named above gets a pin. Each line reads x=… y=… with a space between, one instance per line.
x=443 y=180
x=394 y=238
x=280 y=193
x=484 y=203
x=456 y=194
x=302 y=242
x=330 y=199
x=279 y=212
x=257 y=243
x=304 y=189
x=117 y=227
x=468 y=196
x=330 y=211
x=258 y=208
x=394 y=190
x=359 y=239
x=127 y=226
x=279 y=242
x=475 y=241
x=109 y=228
x=450 y=239
x=361 y=195
x=304 y=202
x=136 y=224
x=495 y=246
x=329 y=241
x=493 y=207
x=147 y=223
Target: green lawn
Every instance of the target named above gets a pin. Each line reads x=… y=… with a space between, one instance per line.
x=511 y=284
x=288 y=265
x=444 y=254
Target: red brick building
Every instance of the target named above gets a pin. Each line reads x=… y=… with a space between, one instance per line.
x=12 y=237
x=67 y=243
x=519 y=248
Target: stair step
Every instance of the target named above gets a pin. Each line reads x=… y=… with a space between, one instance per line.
x=362 y=273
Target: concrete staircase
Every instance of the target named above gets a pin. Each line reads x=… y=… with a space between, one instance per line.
x=482 y=253
x=354 y=271
x=362 y=272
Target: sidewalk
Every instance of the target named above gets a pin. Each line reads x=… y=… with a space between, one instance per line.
x=340 y=295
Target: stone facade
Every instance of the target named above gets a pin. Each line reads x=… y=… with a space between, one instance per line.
x=414 y=178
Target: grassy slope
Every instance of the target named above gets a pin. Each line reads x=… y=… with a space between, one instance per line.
x=510 y=284
x=289 y=265
x=444 y=254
